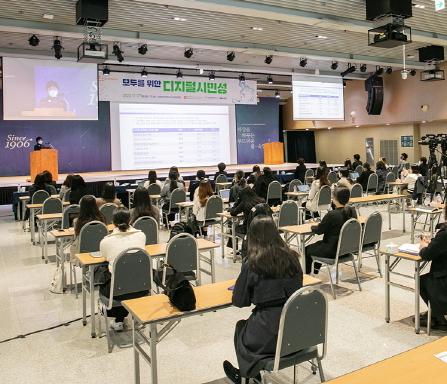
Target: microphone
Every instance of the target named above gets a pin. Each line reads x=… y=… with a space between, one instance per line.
x=49 y=145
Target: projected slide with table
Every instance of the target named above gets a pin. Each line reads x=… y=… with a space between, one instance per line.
x=160 y=135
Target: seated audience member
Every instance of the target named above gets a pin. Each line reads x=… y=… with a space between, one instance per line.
x=330 y=228
x=348 y=165
x=323 y=164
x=344 y=180
x=247 y=199
x=403 y=163
x=174 y=169
x=49 y=179
x=411 y=179
x=434 y=283
x=357 y=162
x=263 y=182
x=152 y=179
x=65 y=187
x=221 y=170
x=270 y=274
x=381 y=172
x=108 y=195
x=423 y=166
x=142 y=206
x=300 y=171
x=194 y=184
x=166 y=192
x=40 y=185
x=238 y=185
x=384 y=160
x=312 y=199
x=256 y=171
x=124 y=236
x=364 y=176
x=201 y=196
x=78 y=189
x=251 y=181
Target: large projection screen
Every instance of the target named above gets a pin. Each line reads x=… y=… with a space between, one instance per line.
x=158 y=136
x=49 y=90
x=318 y=98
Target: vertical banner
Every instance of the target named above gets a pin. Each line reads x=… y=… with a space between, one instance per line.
x=369 y=144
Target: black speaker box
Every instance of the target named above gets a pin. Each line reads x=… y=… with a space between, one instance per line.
x=376 y=9
x=431 y=53
x=374 y=86
x=97 y=10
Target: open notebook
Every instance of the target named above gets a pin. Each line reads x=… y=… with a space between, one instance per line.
x=412 y=249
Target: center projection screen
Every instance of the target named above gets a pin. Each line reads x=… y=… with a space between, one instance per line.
x=146 y=136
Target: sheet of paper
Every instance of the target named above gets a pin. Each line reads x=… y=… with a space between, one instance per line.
x=442 y=356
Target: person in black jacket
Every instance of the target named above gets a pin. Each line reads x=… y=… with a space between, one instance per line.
x=269 y=276
x=193 y=185
x=330 y=228
x=300 y=171
x=263 y=181
x=423 y=166
x=221 y=171
x=239 y=183
x=434 y=284
x=247 y=199
x=356 y=162
x=364 y=176
x=78 y=189
x=40 y=184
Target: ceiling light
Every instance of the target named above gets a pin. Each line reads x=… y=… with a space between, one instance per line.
x=179 y=18
x=212 y=76
x=334 y=65
x=231 y=56
x=363 y=68
x=388 y=124
x=57 y=48
x=344 y=83
x=144 y=73
x=389 y=70
x=188 y=53
x=270 y=79
x=419 y=6
x=142 y=50
x=423 y=121
x=48 y=16
x=413 y=72
x=357 y=126
x=303 y=62
x=257 y=28
x=321 y=37
x=118 y=53
x=277 y=94
x=329 y=128
x=179 y=74
x=411 y=56
x=379 y=70
x=242 y=78
x=34 y=41
x=268 y=59
x=201 y=71
x=307 y=129
x=350 y=69
x=106 y=71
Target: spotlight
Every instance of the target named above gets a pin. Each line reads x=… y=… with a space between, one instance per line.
x=344 y=83
x=242 y=78
x=211 y=76
x=389 y=70
x=118 y=53
x=57 y=47
x=231 y=56
x=334 y=65
x=106 y=71
x=350 y=69
x=144 y=73
x=303 y=62
x=34 y=41
x=268 y=60
x=270 y=79
x=188 y=53
x=363 y=68
x=179 y=74
x=379 y=70
x=142 y=50
x=277 y=94
x=413 y=72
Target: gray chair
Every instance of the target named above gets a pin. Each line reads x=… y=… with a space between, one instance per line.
x=395 y=171
x=294 y=184
x=332 y=177
x=70 y=213
x=131 y=275
x=52 y=205
x=308 y=176
x=66 y=195
x=373 y=184
x=349 y=243
x=302 y=329
x=39 y=197
x=108 y=210
x=178 y=195
x=214 y=205
x=359 y=169
x=288 y=214
x=356 y=190
x=220 y=179
x=390 y=178
x=324 y=199
x=274 y=192
x=154 y=189
x=149 y=226
x=372 y=236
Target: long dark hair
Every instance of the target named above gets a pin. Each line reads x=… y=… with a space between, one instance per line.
x=109 y=192
x=39 y=181
x=77 y=182
x=121 y=219
x=205 y=192
x=342 y=195
x=152 y=176
x=48 y=176
x=173 y=177
x=268 y=254
x=322 y=176
x=142 y=204
x=88 y=212
x=67 y=181
x=249 y=196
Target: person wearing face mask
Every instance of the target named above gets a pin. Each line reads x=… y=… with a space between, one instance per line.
x=54 y=98
x=39 y=144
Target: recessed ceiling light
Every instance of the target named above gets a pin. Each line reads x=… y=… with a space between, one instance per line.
x=307 y=129
x=387 y=124
x=423 y=121
x=421 y=6
x=321 y=37
x=48 y=16
x=357 y=126
x=179 y=19
x=329 y=128
x=257 y=28
x=411 y=56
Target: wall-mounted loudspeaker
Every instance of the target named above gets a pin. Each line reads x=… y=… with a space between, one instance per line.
x=374 y=87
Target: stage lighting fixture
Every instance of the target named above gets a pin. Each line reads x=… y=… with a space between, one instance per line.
x=144 y=73
x=363 y=68
x=142 y=50
x=231 y=56
x=270 y=79
x=242 y=78
x=334 y=65
x=350 y=69
x=413 y=72
x=379 y=70
x=188 y=53
x=179 y=74
x=268 y=60
x=34 y=41
x=303 y=62
x=277 y=94
x=57 y=48
x=212 y=76
x=106 y=71
x=389 y=70
x=118 y=53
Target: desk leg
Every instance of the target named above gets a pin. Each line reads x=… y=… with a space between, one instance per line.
x=154 y=373
x=136 y=355
x=62 y=261
x=413 y=225
x=45 y=240
x=387 y=287
x=417 y=270
x=84 y=296
x=31 y=224
x=92 y=299
x=303 y=251
x=222 y=237
x=389 y=215
x=233 y=238
x=404 y=203
x=22 y=212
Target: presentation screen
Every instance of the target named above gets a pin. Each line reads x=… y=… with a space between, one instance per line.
x=49 y=90
x=317 y=98
x=162 y=135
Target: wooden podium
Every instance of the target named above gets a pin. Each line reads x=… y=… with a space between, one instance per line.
x=273 y=153
x=44 y=160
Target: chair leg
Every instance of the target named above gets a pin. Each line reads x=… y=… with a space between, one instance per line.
x=294 y=374
x=429 y=319
x=75 y=281
x=377 y=254
x=336 y=274
x=357 y=275
x=330 y=279
x=320 y=370
x=109 y=340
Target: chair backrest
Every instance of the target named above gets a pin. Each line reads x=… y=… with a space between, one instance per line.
x=294 y=183
x=350 y=238
x=91 y=235
x=309 y=173
x=390 y=177
x=132 y=273
x=221 y=179
x=288 y=214
x=373 y=183
x=178 y=195
x=39 y=197
x=324 y=196
x=358 y=169
x=303 y=324
x=70 y=213
x=66 y=196
x=213 y=206
x=395 y=171
x=274 y=191
x=108 y=210
x=52 y=205
x=356 y=190
x=154 y=189
x=149 y=226
x=182 y=253
x=332 y=177
x=372 y=231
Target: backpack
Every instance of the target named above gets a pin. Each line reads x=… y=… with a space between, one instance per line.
x=180 y=228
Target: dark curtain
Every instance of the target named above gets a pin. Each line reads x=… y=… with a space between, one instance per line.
x=301 y=144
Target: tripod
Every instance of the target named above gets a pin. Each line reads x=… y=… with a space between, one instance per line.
x=436 y=173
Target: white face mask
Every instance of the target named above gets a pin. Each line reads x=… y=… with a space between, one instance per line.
x=53 y=92
x=40 y=142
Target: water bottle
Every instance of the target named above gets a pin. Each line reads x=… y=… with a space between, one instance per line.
x=19 y=188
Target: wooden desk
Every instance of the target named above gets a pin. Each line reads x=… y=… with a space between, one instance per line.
x=399 y=185
x=297 y=195
x=416 y=366
x=45 y=220
x=186 y=207
x=432 y=216
x=156 y=309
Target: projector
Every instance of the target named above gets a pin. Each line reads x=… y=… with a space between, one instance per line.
x=433 y=75
x=93 y=52
x=389 y=36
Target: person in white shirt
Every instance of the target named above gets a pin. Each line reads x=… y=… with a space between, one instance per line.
x=320 y=180
x=124 y=236
x=411 y=179
x=344 y=180
x=152 y=179
x=201 y=196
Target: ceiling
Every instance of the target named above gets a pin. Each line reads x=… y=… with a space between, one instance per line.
x=213 y=27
